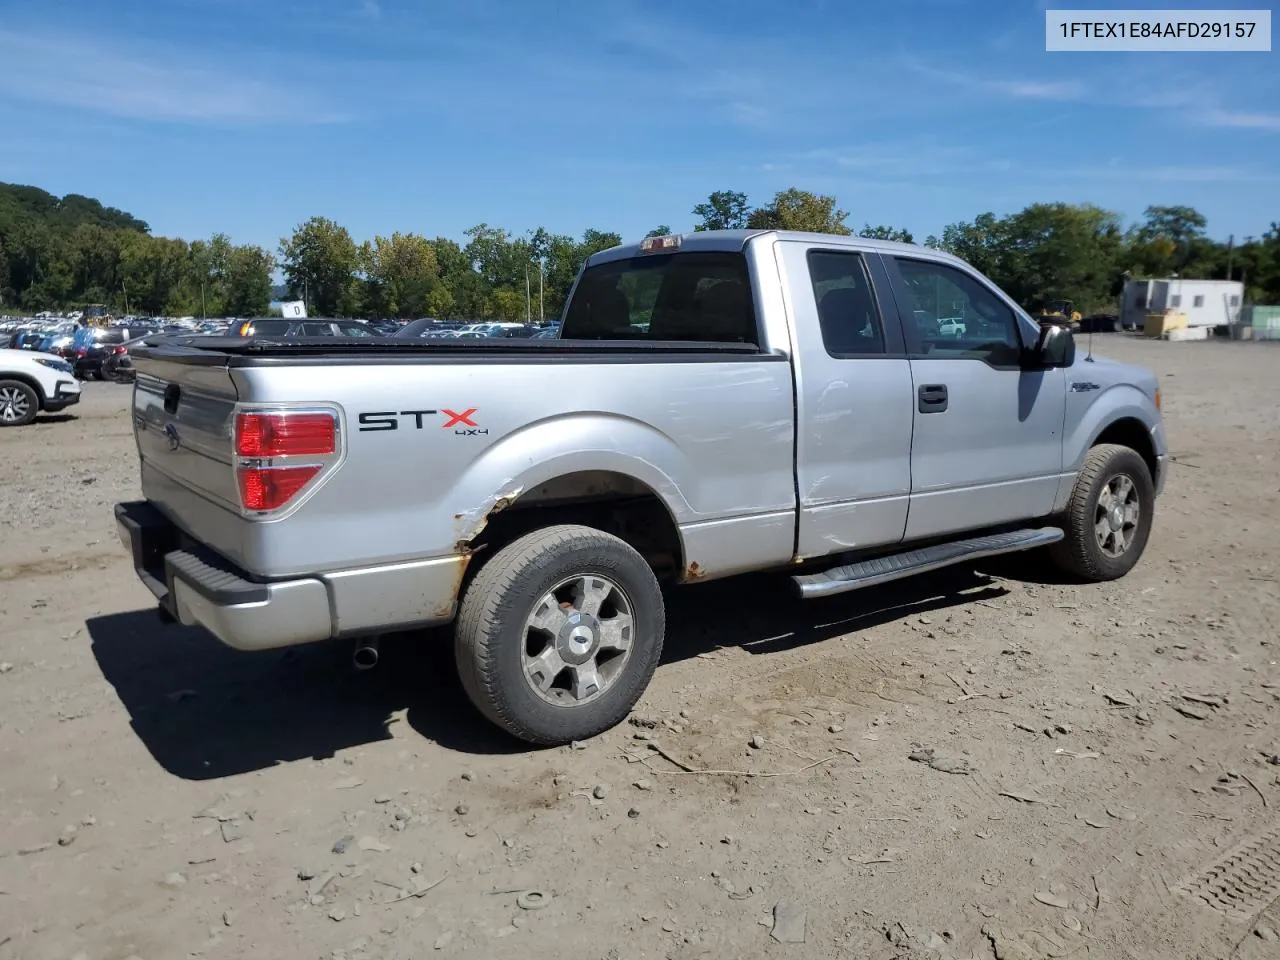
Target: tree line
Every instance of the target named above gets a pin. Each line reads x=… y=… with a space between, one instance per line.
x=58 y=253
x=62 y=253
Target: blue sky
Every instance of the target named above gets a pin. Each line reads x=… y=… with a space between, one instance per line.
x=247 y=116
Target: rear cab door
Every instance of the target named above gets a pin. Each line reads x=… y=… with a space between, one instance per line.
x=987 y=433
x=854 y=399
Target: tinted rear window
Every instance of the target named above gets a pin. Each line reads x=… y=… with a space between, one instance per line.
x=675 y=296
x=270 y=328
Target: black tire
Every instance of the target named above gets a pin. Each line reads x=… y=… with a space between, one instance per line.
x=1080 y=553
x=492 y=635
x=19 y=404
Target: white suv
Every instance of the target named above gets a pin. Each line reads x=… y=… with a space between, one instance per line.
x=34 y=382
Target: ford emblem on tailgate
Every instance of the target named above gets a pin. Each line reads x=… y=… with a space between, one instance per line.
x=171 y=434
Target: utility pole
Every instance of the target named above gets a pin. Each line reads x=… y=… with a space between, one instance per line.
x=204 y=313
x=527 y=305
x=541 y=314
x=1231 y=249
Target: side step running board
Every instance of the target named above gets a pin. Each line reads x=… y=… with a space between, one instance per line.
x=869 y=573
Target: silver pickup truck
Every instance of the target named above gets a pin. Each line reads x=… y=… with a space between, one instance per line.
x=719 y=403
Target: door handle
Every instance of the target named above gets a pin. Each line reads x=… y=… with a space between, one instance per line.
x=933 y=398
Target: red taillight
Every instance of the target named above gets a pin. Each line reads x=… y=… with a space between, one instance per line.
x=263 y=435
x=81 y=352
x=119 y=350
x=272 y=487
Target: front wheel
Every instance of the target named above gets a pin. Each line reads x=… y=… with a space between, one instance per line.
x=1108 y=520
x=18 y=403
x=559 y=634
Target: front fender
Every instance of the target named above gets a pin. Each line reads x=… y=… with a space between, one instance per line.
x=558 y=446
x=1119 y=402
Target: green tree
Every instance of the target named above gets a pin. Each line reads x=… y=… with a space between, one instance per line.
x=320 y=261
x=722 y=210
x=1060 y=250
x=467 y=288
x=883 y=232
x=794 y=209
x=1046 y=251
x=662 y=230
x=248 y=281
x=500 y=259
x=439 y=304
x=1171 y=240
x=400 y=270
x=506 y=304
x=981 y=242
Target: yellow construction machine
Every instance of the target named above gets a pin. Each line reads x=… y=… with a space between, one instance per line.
x=1059 y=311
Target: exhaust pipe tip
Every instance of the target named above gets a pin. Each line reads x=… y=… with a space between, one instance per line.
x=365 y=656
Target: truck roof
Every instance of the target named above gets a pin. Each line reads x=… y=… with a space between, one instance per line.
x=732 y=241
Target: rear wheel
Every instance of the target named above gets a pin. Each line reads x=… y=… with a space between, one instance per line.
x=18 y=403
x=1108 y=520
x=559 y=634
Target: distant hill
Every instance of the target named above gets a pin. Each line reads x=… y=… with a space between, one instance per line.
x=18 y=201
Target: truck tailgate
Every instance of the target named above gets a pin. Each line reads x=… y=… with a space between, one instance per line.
x=183 y=402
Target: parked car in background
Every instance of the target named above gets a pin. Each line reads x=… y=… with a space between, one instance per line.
x=26 y=340
x=109 y=359
x=512 y=331
x=93 y=341
x=31 y=383
x=312 y=327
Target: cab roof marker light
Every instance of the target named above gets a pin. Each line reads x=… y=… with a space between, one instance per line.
x=654 y=244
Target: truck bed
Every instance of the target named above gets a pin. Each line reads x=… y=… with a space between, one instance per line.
x=436 y=435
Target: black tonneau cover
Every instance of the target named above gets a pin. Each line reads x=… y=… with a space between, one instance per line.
x=355 y=348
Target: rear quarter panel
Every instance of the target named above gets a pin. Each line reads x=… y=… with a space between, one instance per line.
x=713 y=438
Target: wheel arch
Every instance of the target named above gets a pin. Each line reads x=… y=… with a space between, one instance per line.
x=610 y=500
x=30 y=381
x=1129 y=431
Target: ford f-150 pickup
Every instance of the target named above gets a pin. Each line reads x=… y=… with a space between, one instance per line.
x=846 y=410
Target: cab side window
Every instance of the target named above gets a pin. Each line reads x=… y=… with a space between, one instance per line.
x=847 y=313
x=956 y=316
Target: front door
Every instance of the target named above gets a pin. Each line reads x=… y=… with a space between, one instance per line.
x=853 y=400
x=987 y=437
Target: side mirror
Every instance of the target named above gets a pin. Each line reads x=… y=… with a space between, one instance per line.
x=1056 y=347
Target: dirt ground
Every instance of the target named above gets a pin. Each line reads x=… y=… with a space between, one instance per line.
x=1104 y=784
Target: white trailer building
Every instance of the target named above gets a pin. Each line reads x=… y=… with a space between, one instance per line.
x=1206 y=303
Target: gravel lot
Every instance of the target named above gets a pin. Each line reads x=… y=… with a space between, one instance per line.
x=1099 y=751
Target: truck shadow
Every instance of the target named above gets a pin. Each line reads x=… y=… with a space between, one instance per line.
x=205 y=711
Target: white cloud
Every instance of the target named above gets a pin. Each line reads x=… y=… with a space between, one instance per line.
x=1017 y=89
x=1242 y=120
x=1169 y=173
x=94 y=75
x=1036 y=90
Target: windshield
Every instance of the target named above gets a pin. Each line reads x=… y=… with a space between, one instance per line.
x=704 y=297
